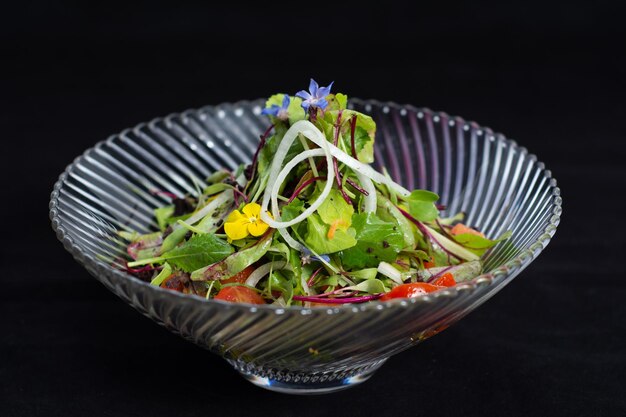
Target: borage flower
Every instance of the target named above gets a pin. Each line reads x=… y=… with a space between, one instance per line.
x=240 y=224
x=280 y=112
x=307 y=257
x=315 y=97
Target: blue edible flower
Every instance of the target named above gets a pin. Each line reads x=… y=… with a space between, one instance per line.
x=315 y=97
x=281 y=112
x=308 y=257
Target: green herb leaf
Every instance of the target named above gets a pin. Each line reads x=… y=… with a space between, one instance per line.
x=292 y=210
x=165 y=273
x=367 y=273
x=279 y=282
x=422 y=205
x=377 y=241
x=364 y=135
x=234 y=263
x=479 y=244
x=371 y=286
x=295 y=110
x=317 y=237
x=199 y=251
x=173 y=239
x=342 y=100
x=336 y=211
x=162 y=214
x=216 y=188
x=388 y=212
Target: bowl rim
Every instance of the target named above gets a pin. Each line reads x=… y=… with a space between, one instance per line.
x=492 y=278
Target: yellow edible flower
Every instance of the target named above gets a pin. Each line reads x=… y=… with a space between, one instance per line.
x=240 y=224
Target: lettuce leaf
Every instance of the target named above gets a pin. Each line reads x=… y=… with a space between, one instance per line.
x=422 y=205
x=377 y=241
x=199 y=251
x=479 y=244
x=317 y=237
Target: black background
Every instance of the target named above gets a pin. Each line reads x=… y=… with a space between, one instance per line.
x=549 y=74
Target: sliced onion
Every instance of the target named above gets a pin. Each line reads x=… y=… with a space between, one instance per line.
x=370 y=199
x=277 y=175
x=263 y=270
x=389 y=271
x=219 y=200
x=281 y=177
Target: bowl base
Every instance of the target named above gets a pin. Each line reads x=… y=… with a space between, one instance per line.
x=303 y=383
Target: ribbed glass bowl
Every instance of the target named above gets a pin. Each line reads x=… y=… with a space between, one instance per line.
x=305 y=350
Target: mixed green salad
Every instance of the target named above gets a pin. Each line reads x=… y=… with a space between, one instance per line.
x=308 y=222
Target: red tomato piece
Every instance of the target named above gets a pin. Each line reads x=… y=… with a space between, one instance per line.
x=410 y=290
x=241 y=277
x=460 y=229
x=446 y=280
x=429 y=264
x=239 y=294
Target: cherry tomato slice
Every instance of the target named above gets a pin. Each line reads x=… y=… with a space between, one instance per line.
x=239 y=294
x=410 y=290
x=446 y=280
x=241 y=277
x=460 y=229
x=429 y=264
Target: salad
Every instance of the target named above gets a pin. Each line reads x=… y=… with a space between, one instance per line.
x=308 y=222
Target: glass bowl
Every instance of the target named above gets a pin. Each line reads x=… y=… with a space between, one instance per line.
x=305 y=350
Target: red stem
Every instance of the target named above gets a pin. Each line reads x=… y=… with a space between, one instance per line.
x=337 y=175
x=352 y=130
x=338 y=300
x=425 y=232
x=312 y=279
x=258 y=149
x=438 y=274
x=236 y=191
x=357 y=187
x=305 y=184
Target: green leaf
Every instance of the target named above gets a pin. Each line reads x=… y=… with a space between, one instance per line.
x=367 y=273
x=292 y=210
x=199 y=251
x=479 y=244
x=165 y=273
x=331 y=281
x=279 y=249
x=364 y=135
x=216 y=188
x=234 y=263
x=390 y=213
x=295 y=110
x=371 y=286
x=213 y=219
x=342 y=100
x=146 y=246
x=279 y=282
x=377 y=241
x=422 y=205
x=162 y=214
x=317 y=237
x=218 y=176
x=461 y=272
x=335 y=210
x=173 y=239
x=266 y=155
